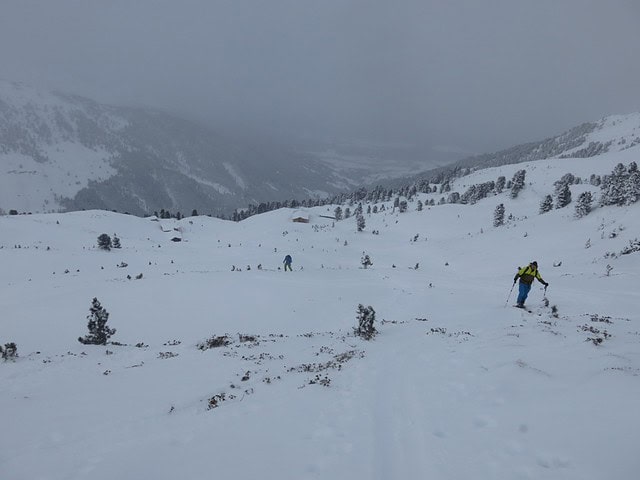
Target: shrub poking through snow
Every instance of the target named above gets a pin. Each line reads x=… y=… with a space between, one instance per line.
x=214 y=342
x=9 y=352
x=165 y=355
x=366 y=261
x=215 y=401
x=634 y=246
x=99 y=333
x=366 y=317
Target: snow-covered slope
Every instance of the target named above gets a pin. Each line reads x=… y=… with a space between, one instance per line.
x=457 y=384
x=608 y=135
x=44 y=152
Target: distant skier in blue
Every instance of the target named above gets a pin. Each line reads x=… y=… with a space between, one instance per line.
x=287 y=263
x=527 y=275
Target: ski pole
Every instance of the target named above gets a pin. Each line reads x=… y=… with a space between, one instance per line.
x=514 y=284
x=545 y=300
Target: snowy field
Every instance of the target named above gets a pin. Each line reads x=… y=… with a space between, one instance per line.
x=456 y=385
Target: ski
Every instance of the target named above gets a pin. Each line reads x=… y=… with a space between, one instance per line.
x=523 y=308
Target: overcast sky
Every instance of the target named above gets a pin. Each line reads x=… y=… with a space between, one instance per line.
x=472 y=74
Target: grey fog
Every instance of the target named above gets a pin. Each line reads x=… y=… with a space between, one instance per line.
x=455 y=76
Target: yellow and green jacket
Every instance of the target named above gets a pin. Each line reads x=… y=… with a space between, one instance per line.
x=528 y=274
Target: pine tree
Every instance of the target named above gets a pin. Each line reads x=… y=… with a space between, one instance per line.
x=360 y=223
x=517 y=183
x=613 y=186
x=453 y=197
x=99 y=333
x=546 y=205
x=419 y=207
x=500 y=183
x=337 y=213
x=366 y=317
x=104 y=242
x=402 y=206
x=116 y=242
x=583 y=205
x=498 y=216
x=563 y=195
x=632 y=187
x=568 y=178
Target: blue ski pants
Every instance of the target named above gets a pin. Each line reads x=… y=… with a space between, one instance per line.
x=523 y=292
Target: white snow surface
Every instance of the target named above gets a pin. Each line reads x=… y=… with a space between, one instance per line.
x=620 y=129
x=457 y=384
x=37 y=187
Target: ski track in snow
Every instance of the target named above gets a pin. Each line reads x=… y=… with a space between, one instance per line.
x=399 y=434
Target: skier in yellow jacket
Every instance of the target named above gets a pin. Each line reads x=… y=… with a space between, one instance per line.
x=527 y=275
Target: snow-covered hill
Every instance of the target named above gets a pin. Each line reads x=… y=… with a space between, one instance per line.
x=610 y=134
x=456 y=384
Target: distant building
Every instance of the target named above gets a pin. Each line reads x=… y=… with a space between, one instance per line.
x=300 y=217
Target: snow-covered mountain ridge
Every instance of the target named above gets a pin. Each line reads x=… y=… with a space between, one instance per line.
x=456 y=384
x=610 y=134
x=65 y=152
